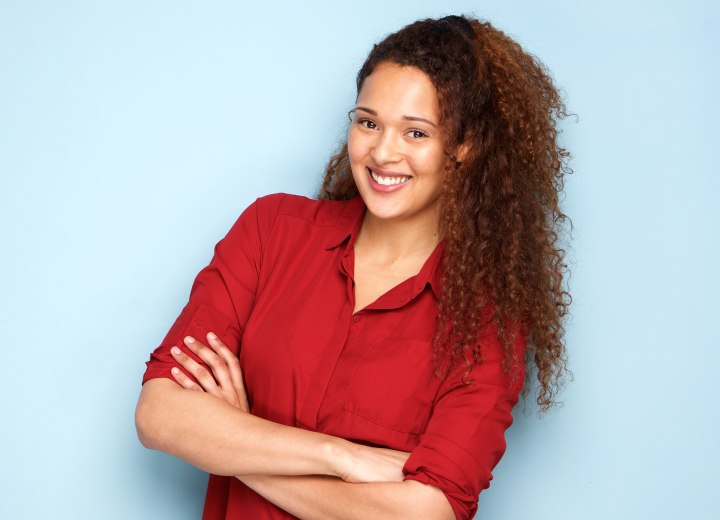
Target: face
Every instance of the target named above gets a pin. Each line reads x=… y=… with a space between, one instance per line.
x=395 y=144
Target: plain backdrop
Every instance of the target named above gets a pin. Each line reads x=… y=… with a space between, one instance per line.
x=132 y=135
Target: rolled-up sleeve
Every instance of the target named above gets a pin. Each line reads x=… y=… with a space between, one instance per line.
x=223 y=293
x=465 y=437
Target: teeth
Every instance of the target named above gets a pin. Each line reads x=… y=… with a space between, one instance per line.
x=388 y=181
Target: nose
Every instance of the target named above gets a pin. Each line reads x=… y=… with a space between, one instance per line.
x=385 y=149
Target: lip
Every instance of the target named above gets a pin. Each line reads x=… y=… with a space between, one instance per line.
x=385 y=173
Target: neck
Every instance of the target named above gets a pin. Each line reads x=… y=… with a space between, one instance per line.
x=399 y=238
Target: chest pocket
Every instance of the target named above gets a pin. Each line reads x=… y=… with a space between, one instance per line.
x=393 y=385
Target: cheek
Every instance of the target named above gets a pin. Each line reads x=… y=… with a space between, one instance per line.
x=430 y=161
x=355 y=152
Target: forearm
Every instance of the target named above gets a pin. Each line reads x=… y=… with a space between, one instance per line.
x=218 y=438
x=320 y=497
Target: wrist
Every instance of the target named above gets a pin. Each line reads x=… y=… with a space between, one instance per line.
x=338 y=455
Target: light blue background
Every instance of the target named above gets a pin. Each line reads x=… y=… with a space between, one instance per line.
x=132 y=134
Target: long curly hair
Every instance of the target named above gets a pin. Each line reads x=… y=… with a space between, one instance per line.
x=500 y=214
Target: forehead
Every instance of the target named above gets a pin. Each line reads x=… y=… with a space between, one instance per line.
x=394 y=89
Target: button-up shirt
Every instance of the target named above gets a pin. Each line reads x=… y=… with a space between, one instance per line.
x=279 y=291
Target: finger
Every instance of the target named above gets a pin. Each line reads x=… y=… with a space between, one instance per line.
x=233 y=364
x=202 y=374
x=231 y=360
x=184 y=380
x=216 y=363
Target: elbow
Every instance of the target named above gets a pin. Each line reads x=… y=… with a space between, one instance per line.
x=152 y=429
x=429 y=502
x=439 y=510
x=144 y=427
x=146 y=431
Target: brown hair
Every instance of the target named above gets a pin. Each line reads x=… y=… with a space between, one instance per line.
x=499 y=209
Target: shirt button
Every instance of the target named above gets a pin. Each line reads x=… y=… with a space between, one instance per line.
x=356 y=318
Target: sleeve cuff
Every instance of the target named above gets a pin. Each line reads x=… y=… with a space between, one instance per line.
x=195 y=322
x=418 y=467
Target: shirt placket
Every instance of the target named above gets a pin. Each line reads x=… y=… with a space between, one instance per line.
x=307 y=418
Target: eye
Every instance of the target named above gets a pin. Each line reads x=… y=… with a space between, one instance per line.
x=417 y=134
x=367 y=123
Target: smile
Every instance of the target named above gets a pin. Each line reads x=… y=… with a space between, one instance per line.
x=387 y=182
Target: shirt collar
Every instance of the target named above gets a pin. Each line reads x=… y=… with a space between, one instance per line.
x=348 y=226
x=434 y=267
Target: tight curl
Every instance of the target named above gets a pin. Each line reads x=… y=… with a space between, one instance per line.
x=500 y=213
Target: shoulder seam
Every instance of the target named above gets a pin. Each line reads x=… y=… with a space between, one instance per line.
x=324 y=222
x=263 y=243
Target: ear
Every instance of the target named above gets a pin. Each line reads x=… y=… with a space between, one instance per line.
x=461 y=152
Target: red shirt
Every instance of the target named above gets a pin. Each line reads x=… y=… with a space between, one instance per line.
x=279 y=291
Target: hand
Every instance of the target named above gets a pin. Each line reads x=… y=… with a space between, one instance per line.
x=225 y=381
x=360 y=463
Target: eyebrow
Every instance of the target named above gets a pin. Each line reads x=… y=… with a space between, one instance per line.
x=407 y=118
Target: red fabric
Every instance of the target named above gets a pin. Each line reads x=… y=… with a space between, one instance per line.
x=280 y=284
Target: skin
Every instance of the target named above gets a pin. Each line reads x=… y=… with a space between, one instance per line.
x=310 y=474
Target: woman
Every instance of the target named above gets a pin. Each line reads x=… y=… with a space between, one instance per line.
x=381 y=331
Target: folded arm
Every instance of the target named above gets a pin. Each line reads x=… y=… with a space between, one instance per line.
x=204 y=431
x=289 y=466
x=322 y=497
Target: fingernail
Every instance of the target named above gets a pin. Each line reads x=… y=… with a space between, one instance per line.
x=175 y=371
x=212 y=335
x=175 y=350
x=189 y=339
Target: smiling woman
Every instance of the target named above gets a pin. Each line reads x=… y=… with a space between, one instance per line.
x=359 y=355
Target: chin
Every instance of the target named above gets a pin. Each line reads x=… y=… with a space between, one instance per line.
x=385 y=210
